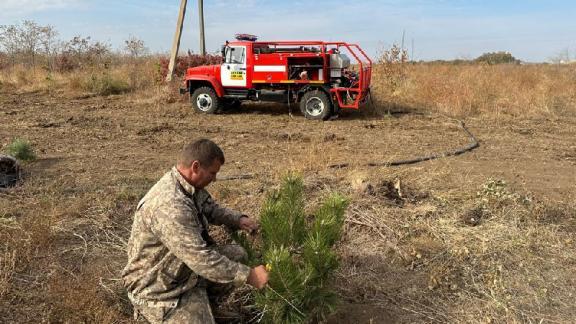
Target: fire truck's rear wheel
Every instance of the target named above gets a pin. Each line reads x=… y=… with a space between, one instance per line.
x=315 y=104
x=205 y=100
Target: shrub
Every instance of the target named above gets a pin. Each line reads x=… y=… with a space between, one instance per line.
x=21 y=149
x=185 y=62
x=393 y=55
x=497 y=58
x=82 y=52
x=105 y=84
x=393 y=62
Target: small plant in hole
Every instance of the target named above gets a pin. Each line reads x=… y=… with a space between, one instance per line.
x=21 y=150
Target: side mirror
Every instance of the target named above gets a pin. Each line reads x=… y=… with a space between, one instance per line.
x=223 y=52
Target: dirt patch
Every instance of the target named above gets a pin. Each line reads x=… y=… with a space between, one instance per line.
x=359 y=313
x=155 y=129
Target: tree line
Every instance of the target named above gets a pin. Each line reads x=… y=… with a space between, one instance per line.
x=34 y=45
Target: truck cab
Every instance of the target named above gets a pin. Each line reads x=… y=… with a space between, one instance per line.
x=233 y=71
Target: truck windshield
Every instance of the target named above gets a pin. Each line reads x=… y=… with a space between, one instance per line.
x=234 y=55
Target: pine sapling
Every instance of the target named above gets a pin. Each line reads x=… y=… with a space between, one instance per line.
x=299 y=255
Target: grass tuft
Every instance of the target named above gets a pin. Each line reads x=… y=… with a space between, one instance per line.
x=21 y=149
x=106 y=84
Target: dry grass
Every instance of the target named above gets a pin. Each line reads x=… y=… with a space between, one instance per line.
x=139 y=75
x=467 y=90
x=434 y=264
x=7 y=268
x=456 y=90
x=413 y=256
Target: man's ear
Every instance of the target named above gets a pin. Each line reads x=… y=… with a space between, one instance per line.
x=195 y=166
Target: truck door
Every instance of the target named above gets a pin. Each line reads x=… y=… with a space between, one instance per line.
x=233 y=71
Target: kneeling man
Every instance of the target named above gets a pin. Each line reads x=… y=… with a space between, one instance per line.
x=172 y=259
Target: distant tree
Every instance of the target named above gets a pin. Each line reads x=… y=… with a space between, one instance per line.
x=25 y=42
x=30 y=39
x=9 y=40
x=497 y=58
x=135 y=47
x=82 y=51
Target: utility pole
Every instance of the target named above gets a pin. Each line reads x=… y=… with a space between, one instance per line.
x=201 y=20
x=176 y=42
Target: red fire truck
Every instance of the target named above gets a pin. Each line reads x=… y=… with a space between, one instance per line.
x=318 y=76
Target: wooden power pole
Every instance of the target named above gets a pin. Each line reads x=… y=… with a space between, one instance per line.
x=176 y=42
x=201 y=20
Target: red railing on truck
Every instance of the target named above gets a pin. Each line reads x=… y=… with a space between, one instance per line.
x=353 y=96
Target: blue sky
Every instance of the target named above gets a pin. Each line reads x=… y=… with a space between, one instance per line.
x=441 y=29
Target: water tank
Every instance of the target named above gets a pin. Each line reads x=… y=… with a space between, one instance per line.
x=339 y=61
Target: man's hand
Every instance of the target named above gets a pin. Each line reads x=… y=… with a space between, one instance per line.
x=248 y=225
x=258 y=277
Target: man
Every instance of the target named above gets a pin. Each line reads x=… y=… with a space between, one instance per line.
x=171 y=257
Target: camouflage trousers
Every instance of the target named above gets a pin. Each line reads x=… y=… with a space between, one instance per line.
x=194 y=305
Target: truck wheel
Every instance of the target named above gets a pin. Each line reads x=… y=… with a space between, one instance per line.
x=205 y=100
x=316 y=105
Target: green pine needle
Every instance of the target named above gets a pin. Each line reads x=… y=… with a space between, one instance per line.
x=242 y=240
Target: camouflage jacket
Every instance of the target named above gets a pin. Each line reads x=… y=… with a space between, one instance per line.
x=168 y=247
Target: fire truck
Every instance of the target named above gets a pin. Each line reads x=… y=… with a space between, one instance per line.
x=317 y=76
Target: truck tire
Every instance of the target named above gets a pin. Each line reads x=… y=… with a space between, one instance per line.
x=316 y=105
x=205 y=100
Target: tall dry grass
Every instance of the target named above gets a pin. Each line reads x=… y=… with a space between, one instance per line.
x=464 y=90
x=130 y=76
x=456 y=90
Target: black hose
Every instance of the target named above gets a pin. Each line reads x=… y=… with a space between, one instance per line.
x=473 y=144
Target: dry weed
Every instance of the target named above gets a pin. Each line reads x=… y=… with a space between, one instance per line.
x=502 y=268
x=7 y=269
x=465 y=90
x=456 y=90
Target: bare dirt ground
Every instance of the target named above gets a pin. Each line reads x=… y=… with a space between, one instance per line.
x=408 y=257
